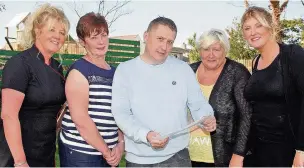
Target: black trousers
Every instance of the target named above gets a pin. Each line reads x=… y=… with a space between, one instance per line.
x=272 y=154
x=202 y=164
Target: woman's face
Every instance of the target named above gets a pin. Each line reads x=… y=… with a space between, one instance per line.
x=213 y=56
x=97 y=44
x=255 y=33
x=51 y=38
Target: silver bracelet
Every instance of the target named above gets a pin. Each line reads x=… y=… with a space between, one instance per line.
x=299 y=151
x=19 y=164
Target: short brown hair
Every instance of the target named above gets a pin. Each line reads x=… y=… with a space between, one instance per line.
x=162 y=21
x=90 y=23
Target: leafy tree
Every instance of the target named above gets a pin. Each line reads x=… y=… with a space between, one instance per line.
x=239 y=49
x=193 y=54
x=292 y=31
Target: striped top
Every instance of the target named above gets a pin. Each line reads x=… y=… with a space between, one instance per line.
x=100 y=98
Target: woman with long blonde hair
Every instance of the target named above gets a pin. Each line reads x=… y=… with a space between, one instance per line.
x=276 y=92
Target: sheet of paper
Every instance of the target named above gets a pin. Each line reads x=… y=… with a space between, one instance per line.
x=172 y=134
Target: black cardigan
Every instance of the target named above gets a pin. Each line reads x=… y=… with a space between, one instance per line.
x=232 y=112
x=293 y=79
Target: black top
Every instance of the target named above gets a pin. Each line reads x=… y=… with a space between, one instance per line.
x=232 y=112
x=43 y=87
x=265 y=92
x=292 y=61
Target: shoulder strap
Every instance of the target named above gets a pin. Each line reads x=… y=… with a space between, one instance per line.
x=254 y=64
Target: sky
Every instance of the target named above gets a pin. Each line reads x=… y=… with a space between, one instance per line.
x=190 y=16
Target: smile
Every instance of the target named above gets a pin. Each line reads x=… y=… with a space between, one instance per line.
x=255 y=39
x=55 y=42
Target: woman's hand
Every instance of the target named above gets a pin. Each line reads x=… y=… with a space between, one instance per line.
x=22 y=164
x=298 y=160
x=116 y=154
x=236 y=161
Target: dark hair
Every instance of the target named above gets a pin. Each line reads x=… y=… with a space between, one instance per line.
x=162 y=21
x=89 y=23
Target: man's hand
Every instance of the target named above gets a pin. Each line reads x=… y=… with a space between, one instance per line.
x=209 y=123
x=298 y=160
x=236 y=161
x=155 y=140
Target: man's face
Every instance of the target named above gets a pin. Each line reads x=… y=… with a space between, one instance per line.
x=159 y=42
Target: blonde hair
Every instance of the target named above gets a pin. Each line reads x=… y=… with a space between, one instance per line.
x=39 y=18
x=262 y=16
x=212 y=36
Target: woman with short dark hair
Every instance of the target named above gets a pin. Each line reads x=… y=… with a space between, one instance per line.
x=90 y=136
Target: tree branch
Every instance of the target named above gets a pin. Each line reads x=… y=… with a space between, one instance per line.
x=246 y=4
x=117 y=17
x=302 y=2
x=284 y=5
x=75 y=6
x=103 y=8
x=101 y=4
x=113 y=18
x=117 y=6
x=114 y=12
x=231 y=3
x=2 y=7
x=111 y=10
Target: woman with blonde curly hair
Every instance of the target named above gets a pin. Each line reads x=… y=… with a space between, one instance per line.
x=33 y=91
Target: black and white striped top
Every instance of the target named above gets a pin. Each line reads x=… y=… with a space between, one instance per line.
x=100 y=97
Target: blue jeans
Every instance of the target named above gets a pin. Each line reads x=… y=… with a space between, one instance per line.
x=71 y=158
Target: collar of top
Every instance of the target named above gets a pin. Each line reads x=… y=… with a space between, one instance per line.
x=34 y=51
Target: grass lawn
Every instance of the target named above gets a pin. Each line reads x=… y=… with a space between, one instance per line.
x=121 y=164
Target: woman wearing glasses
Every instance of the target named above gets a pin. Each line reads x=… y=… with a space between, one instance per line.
x=222 y=81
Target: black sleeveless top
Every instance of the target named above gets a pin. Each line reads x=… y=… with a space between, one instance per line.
x=265 y=92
